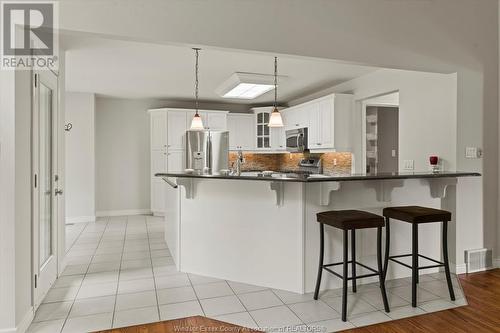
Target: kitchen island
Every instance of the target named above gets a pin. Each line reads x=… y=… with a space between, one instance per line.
x=263 y=230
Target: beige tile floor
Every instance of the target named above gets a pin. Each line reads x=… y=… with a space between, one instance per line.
x=120 y=273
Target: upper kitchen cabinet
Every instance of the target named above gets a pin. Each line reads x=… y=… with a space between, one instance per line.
x=241 y=131
x=295 y=117
x=214 y=120
x=158 y=125
x=267 y=138
x=217 y=120
x=176 y=129
x=328 y=120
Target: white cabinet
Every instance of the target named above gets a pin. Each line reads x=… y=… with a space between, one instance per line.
x=267 y=138
x=216 y=120
x=278 y=139
x=168 y=133
x=241 y=131
x=176 y=129
x=328 y=120
x=175 y=161
x=158 y=124
x=158 y=162
x=158 y=197
x=321 y=126
x=296 y=117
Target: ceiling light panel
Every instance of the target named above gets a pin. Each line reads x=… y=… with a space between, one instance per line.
x=246 y=85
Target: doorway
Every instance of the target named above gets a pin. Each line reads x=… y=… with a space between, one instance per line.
x=382 y=132
x=45 y=183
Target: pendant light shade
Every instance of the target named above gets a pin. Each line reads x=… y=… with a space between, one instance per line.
x=275 y=120
x=197 y=122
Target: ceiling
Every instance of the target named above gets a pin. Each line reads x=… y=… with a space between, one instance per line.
x=140 y=70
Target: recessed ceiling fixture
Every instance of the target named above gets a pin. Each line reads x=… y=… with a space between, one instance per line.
x=275 y=120
x=246 y=85
x=196 y=123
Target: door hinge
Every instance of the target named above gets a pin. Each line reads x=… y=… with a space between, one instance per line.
x=36 y=281
x=36 y=180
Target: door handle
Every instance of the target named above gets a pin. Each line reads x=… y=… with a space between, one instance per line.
x=58 y=192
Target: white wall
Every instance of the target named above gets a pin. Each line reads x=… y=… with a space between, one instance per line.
x=80 y=158
x=15 y=203
x=122 y=156
x=427 y=113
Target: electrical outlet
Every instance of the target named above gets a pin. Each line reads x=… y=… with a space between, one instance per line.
x=334 y=162
x=408 y=164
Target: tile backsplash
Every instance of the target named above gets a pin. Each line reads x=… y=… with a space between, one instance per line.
x=289 y=162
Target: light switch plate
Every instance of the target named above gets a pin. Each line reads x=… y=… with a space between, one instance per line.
x=472 y=152
x=408 y=164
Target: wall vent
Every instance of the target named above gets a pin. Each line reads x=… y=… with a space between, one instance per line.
x=478 y=260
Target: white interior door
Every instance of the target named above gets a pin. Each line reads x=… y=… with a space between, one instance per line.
x=45 y=179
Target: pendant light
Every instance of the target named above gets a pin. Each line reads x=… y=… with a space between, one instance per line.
x=196 y=123
x=275 y=120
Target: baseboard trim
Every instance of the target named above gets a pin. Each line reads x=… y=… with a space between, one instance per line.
x=104 y=213
x=80 y=219
x=496 y=263
x=23 y=325
x=158 y=213
x=460 y=269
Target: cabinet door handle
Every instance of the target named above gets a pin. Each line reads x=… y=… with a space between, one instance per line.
x=319 y=143
x=297 y=125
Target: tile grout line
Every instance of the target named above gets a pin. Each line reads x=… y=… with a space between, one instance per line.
x=152 y=271
x=244 y=306
x=196 y=294
x=84 y=275
x=119 y=272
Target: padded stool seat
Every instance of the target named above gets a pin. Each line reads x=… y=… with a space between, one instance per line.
x=417 y=214
x=350 y=219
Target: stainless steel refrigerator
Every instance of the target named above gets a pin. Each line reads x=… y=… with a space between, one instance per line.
x=207 y=151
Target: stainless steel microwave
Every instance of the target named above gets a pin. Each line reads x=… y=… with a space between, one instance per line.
x=296 y=140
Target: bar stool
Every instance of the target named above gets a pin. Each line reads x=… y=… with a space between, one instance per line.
x=350 y=220
x=416 y=215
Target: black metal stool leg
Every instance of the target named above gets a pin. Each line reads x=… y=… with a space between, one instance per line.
x=446 y=263
x=414 y=270
x=387 y=243
x=321 y=254
x=344 y=278
x=380 y=272
x=353 y=258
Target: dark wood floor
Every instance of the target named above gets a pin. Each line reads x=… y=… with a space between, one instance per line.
x=196 y=324
x=482 y=291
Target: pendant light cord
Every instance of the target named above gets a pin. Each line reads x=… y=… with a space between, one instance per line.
x=275 y=82
x=196 y=82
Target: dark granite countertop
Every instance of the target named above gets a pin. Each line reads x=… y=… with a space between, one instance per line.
x=325 y=177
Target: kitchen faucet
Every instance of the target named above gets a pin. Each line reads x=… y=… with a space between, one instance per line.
x=239 y=161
